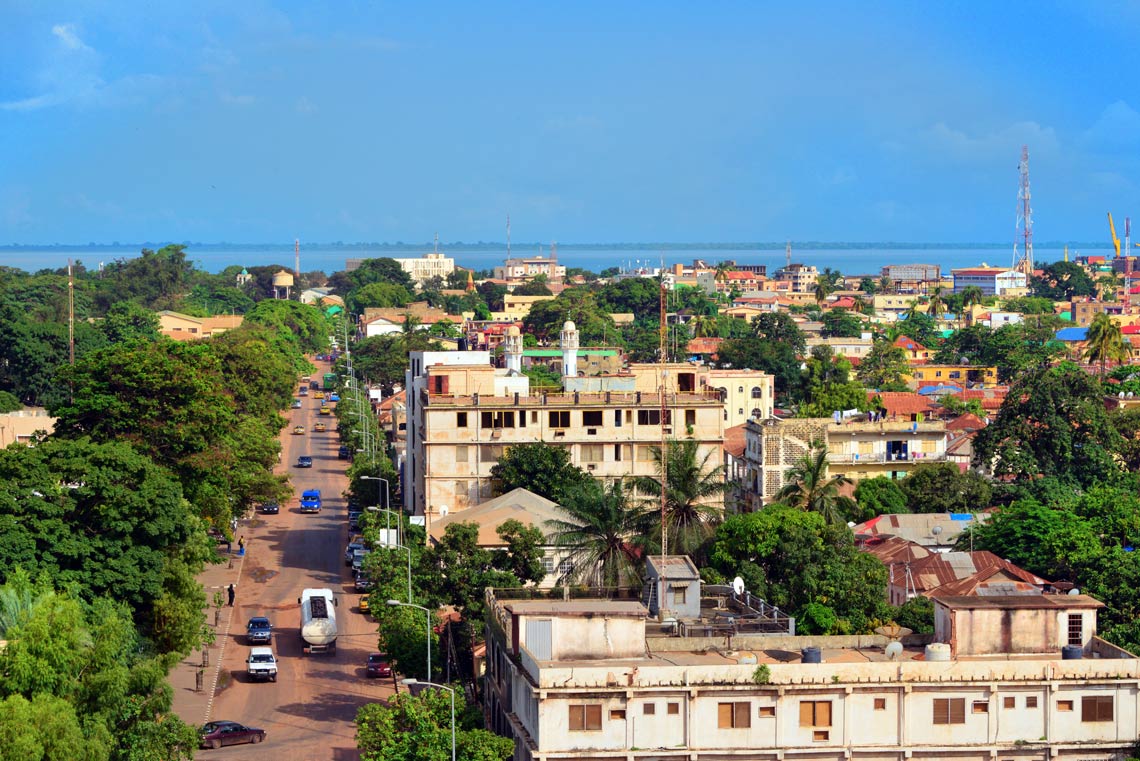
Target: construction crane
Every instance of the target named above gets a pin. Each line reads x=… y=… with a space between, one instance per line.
x=1115 y=240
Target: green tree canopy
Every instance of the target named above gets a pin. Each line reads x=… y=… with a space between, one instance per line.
x=694 y=487
x=304 y=321
x=794 y=559
x=602 y=525
x=1053 y=423
x=377 y=295
x=541 y=468
x=1061 y=281
x=942 y=488
x=841 y=324
x=884 y=367
x=418 y=728
x=879 y=495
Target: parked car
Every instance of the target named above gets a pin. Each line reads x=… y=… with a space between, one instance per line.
x=378 y=665
x=362 y=583
x=334 y=397
x=320 y=428
x=343 y=453
x=304 y=391
x=350 y=551
x=354 y=520
x=269 y=508
x=362 y=606
x=296 y=404
x=298 y=430
x=258 y=631
x=304 y=461
x=314 y=385
x=215 y=734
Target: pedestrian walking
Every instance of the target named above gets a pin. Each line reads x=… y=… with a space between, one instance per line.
x=241 y=545
x=232 y=594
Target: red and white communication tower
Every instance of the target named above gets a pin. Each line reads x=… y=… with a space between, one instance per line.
x=1023 y=241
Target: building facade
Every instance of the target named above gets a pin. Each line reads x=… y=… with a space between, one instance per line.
x=1006 y=677
x=801 y=277
x=994 y=281
x=426 y=267
x=523 y=268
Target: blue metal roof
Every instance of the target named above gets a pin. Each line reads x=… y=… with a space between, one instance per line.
x=939 y=390
x=1072 y=334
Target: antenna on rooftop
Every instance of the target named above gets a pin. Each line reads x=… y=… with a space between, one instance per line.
x=436 y=243
x=788 y=254
x=297 y=257
x=508 y=235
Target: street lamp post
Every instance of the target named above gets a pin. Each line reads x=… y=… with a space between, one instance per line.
x=397 y=603
x=410 y=682
x=387 y=493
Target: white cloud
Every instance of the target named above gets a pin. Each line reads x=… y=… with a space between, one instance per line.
x=987 y=147
x=67 y=35
x=1117 y=127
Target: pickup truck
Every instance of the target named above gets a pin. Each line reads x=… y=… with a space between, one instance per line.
x=261 y=664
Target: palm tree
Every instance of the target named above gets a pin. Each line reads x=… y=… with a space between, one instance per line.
x=1108 y=285
x=822 y=290
x=808 y=487
x=935 y=304
x=886 y=285
x=704 y=326
x=971 y=296
x=599 y=531
x=1105 y=342
x=694 y=498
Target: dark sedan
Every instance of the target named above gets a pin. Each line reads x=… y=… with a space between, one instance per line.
x=259 y=631
x=304 y=461
x=215 y=734
x=269 y=508
x=378 y=665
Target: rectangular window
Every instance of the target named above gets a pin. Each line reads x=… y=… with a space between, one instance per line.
x=880 y=704
x=460 y=419
x=617 y=453
x=677 y=595
x=649 y=709
x=1064 y=706
x=592 y=419
x=949 y=710
x=617 y=418
x=490 y=452
x=645 y=453
x=766 y=712
x=1076 y=629
x=673 y=709
x=522 y=418
x=462 y=454
x=487 y=419
x=1096 y=708
x=617 y=714
x=585 y=718
x=820 y=736
x=1031 y=701
x=649 y=417
x=980 y=706
x=690 y=417
x=1009 y=702
x=548 y=564
x=559 y=419
x=593 y=452
x=815 y=713
x=733 y=716
x=565 y=567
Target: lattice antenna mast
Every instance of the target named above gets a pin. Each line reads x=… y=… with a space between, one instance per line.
x=1023 y=258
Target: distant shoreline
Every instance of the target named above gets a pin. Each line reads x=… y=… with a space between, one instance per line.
x=527 y=247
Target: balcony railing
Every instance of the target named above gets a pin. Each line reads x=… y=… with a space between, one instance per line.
x=574 y=399
x=878 y=457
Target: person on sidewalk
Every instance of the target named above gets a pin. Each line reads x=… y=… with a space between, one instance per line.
x=241 y=545
x=232 y=594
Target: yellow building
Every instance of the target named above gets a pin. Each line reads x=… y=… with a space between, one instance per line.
x=970 y=376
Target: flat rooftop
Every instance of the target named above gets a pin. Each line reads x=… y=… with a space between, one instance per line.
x=576 y=608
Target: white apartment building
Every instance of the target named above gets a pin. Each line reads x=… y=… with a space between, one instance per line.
x=425 y=267
x=1006 y=677
x=801 y=276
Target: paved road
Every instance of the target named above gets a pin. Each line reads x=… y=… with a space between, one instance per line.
x=309 y=711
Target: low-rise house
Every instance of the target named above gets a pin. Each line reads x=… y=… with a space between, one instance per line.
x=520 y=505
x=184 y=327
x=971 y=375
x=25 y=425
x=390 y=320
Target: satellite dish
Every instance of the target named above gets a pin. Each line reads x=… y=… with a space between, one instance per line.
x=936 y=530
x=443 y=510
x=894 y=650
x=738 y=585
x=1074 y=591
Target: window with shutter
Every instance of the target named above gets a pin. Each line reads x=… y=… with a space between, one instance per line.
x=733 y=715
x=949 y=711
x=1096 y=708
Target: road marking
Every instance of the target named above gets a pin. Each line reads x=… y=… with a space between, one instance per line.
x=222 y=650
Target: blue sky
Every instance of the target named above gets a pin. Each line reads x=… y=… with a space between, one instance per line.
x=264 y=121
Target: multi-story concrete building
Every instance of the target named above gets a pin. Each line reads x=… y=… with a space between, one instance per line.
x=463 y=414
x=1004 y=677
x=994 y=281
x=426 y=267
x=746 y=394
x=972 y=376
x=800 y=276
x=912 y=278
x=523 y=268
x=856 y=449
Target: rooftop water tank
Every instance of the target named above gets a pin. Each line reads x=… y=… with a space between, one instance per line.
x=1072 y=653
x=938 y=651
x=811 y=655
